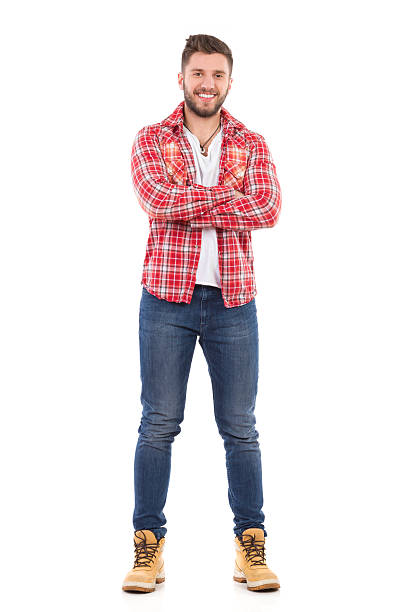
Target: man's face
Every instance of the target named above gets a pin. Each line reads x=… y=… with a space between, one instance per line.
x=205 y=73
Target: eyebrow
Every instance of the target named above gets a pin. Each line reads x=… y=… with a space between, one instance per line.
x=202 y=70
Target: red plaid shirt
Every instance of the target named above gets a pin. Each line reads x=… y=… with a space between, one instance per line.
x=163 y=174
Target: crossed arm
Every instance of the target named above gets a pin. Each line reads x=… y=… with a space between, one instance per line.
x=218 y=206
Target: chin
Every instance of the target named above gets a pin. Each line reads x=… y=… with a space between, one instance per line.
x=203 y=112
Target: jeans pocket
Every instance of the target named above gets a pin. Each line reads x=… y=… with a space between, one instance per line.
x=147 y=294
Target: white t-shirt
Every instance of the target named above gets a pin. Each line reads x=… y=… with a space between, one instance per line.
x=207 y=172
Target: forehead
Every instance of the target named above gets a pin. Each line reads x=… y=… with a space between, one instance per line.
x=207 y=61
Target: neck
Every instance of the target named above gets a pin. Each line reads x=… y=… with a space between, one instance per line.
x=202 y=127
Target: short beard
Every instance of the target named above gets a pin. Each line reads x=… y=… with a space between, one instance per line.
x=201 y=111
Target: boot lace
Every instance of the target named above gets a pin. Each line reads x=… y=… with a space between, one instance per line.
x=254 y=550
x=145 y=553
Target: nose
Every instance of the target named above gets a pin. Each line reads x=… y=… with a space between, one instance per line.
x=208 y=83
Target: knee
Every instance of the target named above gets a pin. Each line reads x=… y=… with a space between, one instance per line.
x=159 y=429
x=237 y=433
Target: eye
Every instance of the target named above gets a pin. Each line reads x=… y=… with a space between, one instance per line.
x=196 y=73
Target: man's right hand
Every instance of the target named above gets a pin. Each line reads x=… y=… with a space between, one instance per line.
x=238 y=194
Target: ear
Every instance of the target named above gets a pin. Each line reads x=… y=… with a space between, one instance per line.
x=180 y=80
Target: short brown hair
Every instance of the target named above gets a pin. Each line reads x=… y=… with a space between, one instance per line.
x=206 y=44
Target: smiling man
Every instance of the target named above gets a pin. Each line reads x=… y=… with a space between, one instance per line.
x=205 y=181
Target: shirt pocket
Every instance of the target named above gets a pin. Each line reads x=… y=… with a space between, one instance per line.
x=176 y=171
x=234 y=174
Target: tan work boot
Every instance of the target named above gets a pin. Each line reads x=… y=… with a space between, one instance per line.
x=250 y=564
x=148 y=568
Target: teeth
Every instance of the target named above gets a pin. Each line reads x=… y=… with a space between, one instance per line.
x=206 y=95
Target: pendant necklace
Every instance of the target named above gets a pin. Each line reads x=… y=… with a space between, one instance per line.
x=202 y=147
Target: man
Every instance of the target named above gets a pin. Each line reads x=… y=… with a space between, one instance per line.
x=205 y=182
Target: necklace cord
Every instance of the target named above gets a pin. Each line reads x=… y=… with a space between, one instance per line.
x=202 y=147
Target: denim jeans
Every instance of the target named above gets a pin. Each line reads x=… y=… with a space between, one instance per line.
x=229 y=339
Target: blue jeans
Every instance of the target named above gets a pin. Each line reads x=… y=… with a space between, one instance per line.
x=229 y=339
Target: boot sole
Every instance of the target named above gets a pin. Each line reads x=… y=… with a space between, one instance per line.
x=143 y=587
x=255 y=585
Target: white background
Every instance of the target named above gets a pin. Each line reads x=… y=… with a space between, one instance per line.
x=325 y=83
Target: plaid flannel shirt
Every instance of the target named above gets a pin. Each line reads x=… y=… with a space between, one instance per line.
x=163 y=174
